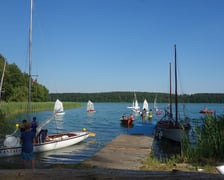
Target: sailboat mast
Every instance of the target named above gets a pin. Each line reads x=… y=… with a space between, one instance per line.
x=176 y=100
x=171 y=113
x=1 y=84
x=30 y=58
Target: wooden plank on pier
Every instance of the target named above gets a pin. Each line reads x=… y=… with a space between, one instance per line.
x=124 y=152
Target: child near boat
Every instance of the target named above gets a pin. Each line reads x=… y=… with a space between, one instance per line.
x=27 y=140
x=42 y=137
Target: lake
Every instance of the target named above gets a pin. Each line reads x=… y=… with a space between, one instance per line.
x=105 y=123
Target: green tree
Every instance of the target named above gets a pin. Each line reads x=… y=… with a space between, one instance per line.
x=15 y=87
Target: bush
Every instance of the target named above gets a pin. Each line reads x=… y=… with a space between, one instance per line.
x=209 y=145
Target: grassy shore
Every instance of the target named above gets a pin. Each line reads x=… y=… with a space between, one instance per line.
x=11 y=110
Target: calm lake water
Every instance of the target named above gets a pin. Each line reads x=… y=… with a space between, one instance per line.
x=105 y=123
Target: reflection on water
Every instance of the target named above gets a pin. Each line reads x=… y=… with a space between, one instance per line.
x=69 y=155
x=106 y=124
x=164 y=149
x=126 y=126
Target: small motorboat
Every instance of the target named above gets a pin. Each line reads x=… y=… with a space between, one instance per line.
x=206 y=111
x=127 y=120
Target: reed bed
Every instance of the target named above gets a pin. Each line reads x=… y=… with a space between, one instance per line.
x=9 y=109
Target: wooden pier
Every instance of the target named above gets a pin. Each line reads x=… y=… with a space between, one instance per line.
x=124 y=152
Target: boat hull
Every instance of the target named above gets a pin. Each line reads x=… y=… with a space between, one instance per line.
x=60 y=113
x=91 y=111
x=206 y=111
x=173 y=134
x=126 y=122
x=54 y=142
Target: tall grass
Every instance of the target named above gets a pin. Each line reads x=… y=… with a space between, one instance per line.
x=9 y=110
x=209 y=146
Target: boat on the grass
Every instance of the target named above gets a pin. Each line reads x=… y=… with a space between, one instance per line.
x=59 y=108
x=11 y=145
x=169 y=127
x=90 y=107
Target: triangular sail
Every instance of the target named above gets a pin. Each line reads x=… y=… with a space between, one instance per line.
x=58 y=106
x=136 y=106
x=155 y=103
x=158 y=111
x=90 y=106
x=145 y=105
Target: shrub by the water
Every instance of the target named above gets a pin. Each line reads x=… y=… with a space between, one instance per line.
x=209 y=144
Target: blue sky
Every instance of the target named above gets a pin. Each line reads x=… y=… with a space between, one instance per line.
x=117 y=45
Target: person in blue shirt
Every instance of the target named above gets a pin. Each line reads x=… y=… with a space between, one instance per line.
x=22 y=125
x=27 y=139
x=34 y=125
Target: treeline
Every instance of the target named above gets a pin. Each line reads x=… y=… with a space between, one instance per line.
x=128 y=97
x=15 y=85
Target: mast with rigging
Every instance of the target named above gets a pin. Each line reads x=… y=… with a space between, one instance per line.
x=30 y=58
x=1 y=84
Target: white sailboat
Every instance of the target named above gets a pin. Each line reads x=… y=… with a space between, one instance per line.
x=135 y=107
x=90 y=107
x=12 y=146
x=145 y=105
x=59 y=108
x=145 y=109
x=158 y=111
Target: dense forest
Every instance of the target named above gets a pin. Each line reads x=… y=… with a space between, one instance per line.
x=128 y=97
x=15 y=89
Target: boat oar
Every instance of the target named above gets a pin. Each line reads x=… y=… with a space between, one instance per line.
x=92 y=134
x=17 y=128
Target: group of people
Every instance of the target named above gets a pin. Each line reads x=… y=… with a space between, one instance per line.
x=146 y=114
x=124 y=117
x=28 y=138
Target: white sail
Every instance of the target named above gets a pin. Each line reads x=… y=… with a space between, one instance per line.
x=135 y=107
x=90 y=106
x=58 y=108
x=155 y=104
x=136 y=104
x=145 y=105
